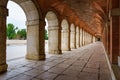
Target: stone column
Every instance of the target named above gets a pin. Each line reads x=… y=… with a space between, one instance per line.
x=91 y=37
x=77 y=37
x=54 y=40
x=86 y=38
x=65 y=40
x=81 y=36
x=3 y=15
x=72 y=39
x=35 y=40
x=94 y=39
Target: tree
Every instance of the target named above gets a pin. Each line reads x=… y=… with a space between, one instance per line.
x=22 y=33
x=11 y=31
x=46 y=35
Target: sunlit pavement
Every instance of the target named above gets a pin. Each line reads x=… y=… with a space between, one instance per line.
x=86 y=63
x=19 y=50
x=15 y=51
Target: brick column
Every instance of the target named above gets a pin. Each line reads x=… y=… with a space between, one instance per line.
x=35 y=40
x=114 y=32
x=114 y=43
x=3 y=15
x=108 y=39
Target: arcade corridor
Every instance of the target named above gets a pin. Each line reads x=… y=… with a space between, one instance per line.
x=85 y=63
x=74 y=25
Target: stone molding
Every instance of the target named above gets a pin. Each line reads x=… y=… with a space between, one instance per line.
x=53 y=28
x=32 y=22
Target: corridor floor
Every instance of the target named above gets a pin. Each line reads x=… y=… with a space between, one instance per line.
x=85 y=63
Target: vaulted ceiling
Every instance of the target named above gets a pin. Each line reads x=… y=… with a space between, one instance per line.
x=90 y=13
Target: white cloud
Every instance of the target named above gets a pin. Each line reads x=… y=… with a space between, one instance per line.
x=16 y=15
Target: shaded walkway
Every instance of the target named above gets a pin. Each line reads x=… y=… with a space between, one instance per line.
x=86 y=63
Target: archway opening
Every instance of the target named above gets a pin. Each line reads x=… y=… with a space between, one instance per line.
x=72 y=36
x=32 y=24
x=54 y=42
x=16 y=32
x=65 y=35
x=46 y=37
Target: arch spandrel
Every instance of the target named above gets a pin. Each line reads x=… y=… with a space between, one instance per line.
x=29 y=8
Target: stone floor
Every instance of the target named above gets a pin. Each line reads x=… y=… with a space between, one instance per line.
x=85 y=63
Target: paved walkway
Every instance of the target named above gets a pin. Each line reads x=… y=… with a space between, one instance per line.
x=17 y=49
x=86 y=63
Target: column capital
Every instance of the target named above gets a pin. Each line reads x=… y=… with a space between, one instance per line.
x=53 y=28
x=32 y=22
x=35 y=22
x=65 y=31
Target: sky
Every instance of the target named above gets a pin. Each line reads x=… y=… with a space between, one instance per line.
x=16 y=15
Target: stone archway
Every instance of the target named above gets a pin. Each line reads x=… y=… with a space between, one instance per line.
x=65 y=35
x=54 y=40
x=72 y=36
x=35 y=49
x=32 y=24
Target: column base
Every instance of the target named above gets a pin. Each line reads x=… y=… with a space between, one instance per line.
x=36 y=56
x=3 y=68
x=77 y=46
x=66 y=49
x=55 y=52
x=73 y=47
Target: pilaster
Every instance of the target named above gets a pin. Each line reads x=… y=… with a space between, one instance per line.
x=3 y=15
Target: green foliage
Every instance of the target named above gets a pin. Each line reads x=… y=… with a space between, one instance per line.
x=22 y=33
x=46 y=35
x=11 y=31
